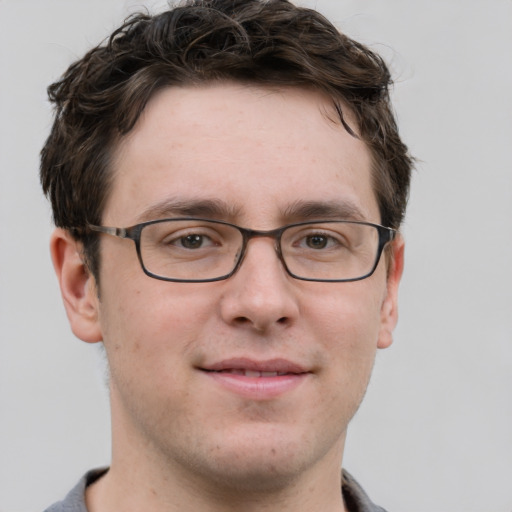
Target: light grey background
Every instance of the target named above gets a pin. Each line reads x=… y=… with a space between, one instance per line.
x=435 y=431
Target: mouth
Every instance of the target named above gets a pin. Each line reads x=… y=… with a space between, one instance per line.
x=250 y=373
x=256 y=369
x=257 y=380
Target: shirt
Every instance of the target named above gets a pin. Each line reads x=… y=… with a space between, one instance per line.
x=356 y=499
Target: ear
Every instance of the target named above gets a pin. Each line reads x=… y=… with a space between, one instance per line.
x=77 y=286
x=389 y=308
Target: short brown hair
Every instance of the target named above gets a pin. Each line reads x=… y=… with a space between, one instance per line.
x=268 y=42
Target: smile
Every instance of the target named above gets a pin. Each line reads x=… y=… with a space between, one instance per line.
x=257 y=380
x=252 y=373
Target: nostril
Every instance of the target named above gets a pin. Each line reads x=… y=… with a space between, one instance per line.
x=241 y=320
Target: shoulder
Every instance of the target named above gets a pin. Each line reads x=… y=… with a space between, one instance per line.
x=75 y=499
x=355 y=497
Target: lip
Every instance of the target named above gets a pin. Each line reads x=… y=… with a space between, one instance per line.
x=278 y=365
x=255 y=379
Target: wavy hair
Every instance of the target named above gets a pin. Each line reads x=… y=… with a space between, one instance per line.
x=265 y=42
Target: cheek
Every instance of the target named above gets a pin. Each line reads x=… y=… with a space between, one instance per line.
x=347 y=327
x=350 y=314
x=134 y=303
x=152 y=328
x=148 y=344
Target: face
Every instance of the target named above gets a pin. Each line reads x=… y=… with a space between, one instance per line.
x=255 y=378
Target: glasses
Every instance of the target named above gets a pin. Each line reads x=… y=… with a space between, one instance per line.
x=194 y=250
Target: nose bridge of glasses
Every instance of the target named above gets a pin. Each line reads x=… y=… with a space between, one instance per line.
x=274 y=234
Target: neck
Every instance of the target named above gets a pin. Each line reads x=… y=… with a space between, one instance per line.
x=143 y=477
x=136 y=482
x=139 y=490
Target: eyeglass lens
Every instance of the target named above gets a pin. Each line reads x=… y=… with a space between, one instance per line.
x=202 y=250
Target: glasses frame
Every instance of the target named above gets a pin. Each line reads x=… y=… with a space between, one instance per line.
x=386 y=235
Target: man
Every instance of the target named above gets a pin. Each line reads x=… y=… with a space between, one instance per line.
x=227 y=182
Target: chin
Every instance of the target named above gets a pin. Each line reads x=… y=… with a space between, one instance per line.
x=268 y=460
x=258 y=475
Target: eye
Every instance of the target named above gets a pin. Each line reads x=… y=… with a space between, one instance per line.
x=184 y=237
x=192 y=241
x=317 y=241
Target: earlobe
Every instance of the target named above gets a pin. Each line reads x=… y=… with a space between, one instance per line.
x=77 y=285
x=389 y=307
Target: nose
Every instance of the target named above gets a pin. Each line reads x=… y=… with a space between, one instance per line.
x=260 y=295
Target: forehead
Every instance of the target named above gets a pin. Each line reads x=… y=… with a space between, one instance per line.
x=253 y=149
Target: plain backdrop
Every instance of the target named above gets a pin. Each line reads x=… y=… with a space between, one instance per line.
x=435 y=431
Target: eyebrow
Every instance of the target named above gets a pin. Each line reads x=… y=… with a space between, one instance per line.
x=218 y=209
x=207 y=208
x=323 y=210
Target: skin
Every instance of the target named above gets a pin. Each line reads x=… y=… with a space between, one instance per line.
x=182 y=440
